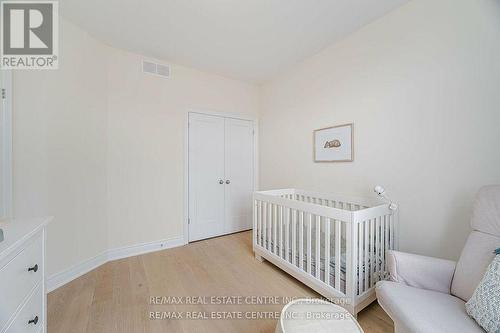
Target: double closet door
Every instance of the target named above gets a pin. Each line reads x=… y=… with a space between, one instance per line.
x=221 y=175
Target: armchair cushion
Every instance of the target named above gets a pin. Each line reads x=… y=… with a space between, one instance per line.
x=486 y=212
x=424 y=311
x=475 y=258
x=420 y=271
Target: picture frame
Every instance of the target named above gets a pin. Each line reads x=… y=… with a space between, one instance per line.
x=334 y=144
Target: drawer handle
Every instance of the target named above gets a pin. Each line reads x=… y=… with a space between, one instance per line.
x=34 y=268
x=33 y=321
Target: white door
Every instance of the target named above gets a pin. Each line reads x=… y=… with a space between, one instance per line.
x=239 y=173
x=206 y=176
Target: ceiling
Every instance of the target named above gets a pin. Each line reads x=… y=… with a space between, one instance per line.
x=250 y=40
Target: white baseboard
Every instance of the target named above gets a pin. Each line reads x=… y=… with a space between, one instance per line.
x=59 y=279
x=135 y=250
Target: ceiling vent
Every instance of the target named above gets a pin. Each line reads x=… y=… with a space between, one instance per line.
x=155 y=68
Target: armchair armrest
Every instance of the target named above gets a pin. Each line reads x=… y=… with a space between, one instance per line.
x=420 y=271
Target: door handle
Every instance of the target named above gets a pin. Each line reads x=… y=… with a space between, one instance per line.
x=228 y=182
x=33 y=321
x=221 y=181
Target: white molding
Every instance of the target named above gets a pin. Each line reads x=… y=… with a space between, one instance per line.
x=223 y=114
x=6 y=150
x=186 y=179
x=59 y=279
x=135 y=250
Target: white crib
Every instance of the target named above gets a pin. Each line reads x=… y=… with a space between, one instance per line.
x=334 y=244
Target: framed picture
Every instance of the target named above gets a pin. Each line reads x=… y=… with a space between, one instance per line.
x=334 y=144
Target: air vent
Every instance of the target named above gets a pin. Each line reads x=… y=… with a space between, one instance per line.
x=148 y=67
x=163 y=70
x=155 y=68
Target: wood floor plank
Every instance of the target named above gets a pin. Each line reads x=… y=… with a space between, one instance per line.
x=116 y=297
x=74 y=302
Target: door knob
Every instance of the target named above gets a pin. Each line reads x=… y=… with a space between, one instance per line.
x=221 y=181
x=228 y=182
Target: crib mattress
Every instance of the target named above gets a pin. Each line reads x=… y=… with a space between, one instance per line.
x=322 y=265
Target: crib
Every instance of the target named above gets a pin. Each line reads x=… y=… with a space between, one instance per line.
x=334 y=244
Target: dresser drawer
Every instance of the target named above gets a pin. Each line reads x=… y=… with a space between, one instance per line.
x=30 y=318
x=17 y=281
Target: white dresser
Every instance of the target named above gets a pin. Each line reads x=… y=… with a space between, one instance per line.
x=22 y=276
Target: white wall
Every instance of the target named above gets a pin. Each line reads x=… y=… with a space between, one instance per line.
x=99 y=145
x=421 y=85
x=59 y=148
x=146 y=118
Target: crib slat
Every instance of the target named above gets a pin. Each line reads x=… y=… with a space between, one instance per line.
x=318 y=247
x=281 y=232
x=391 y=229
x=361 y=241
x=259 y=227
x=327 y=250
x=264 y=225
x=377 y=248
x=287 y=233
x=382 y=243
x=301 y=240
x=270 y=227
x=350 y=254
x=294 y=237
x=309 y=241
x=386 y=235
x=366 y=267
x=275 y=231
x=338 y=252
x=372 y=252
x=255 y=230
x=387 y=232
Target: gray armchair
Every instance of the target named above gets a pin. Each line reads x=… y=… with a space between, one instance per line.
x=428 y=295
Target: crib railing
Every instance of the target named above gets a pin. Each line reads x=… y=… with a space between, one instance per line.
x=375 y=236
x=335 y=245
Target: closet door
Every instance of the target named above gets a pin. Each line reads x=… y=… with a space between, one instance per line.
x=206 y=176
x=239 y=182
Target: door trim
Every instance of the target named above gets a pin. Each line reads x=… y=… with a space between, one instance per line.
x=6 y=207
x=255 y=123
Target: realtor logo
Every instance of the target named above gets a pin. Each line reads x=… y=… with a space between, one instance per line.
x=29 y=33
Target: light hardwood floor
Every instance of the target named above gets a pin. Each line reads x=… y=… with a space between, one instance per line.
x=115 y=298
